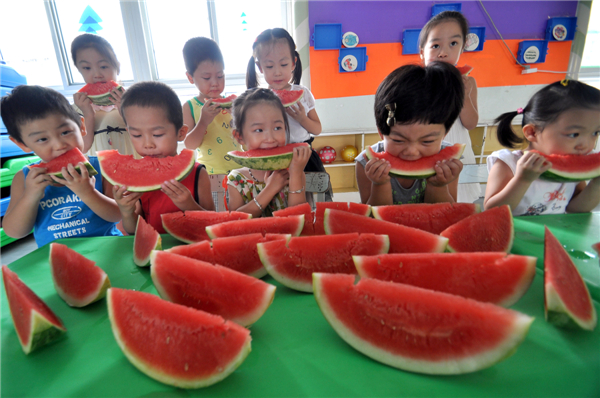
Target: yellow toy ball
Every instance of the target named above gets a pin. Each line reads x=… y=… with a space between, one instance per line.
x=349 y=152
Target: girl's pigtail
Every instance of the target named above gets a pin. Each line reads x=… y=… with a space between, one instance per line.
x=504 y=131
x=298 y=69
x=251 y=80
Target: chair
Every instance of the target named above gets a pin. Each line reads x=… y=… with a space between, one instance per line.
x=317 y=183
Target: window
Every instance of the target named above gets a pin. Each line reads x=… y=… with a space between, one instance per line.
x=590 y=60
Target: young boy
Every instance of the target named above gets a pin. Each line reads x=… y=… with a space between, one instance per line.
x=415 y=106
x=152 y=113
x=41 y=120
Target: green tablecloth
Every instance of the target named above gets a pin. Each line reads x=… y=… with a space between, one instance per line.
x=295 y=353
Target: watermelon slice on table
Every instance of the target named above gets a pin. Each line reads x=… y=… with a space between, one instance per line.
x=210 y=287
x=422 y=168
x=490 y=277
x=146 y=174
x=350 y=207
x=99 y=93
x=306 y=210
x=289 y=97
x=146 y=239
x=226 y=102
x=266 y=159
x=73 y=156
x=418 y=330
x=402 y=239
x=238 y=253
x=430 y=217
x=292 y=263
x=190 y=226
x=35 y=323
x=174 y=344
x=567 y=300
x=489 y=231
x=571 y=168
x=76 y=278
x=292 y=225
x=465 y=70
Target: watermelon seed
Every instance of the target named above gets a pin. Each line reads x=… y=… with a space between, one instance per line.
x=382 y=322
x=186 y=367
x=168 y=338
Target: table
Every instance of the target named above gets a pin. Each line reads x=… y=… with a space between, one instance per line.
x=295 y=353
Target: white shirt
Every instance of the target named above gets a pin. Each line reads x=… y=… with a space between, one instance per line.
x=297 y=132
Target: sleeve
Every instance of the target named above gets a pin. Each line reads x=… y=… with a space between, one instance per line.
x=504 y=155
x=76 y=108
x=308 y=100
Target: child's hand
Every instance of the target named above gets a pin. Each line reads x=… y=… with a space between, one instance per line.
x=300 y=158
x=115 y=96
x=277 y=179
x=84 y=103
x=36 y=182
x=378 y=171
x=79 y=182
x=297 y=112
x=126 y=200
x=446 y=171
x=179 y=194
x=531 y=166
x=209 y=111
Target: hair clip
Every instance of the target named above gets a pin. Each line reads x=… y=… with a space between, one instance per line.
x=391 y=120
x=564 y=82
x=519 y=111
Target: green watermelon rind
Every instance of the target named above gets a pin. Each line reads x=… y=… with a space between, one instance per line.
x=467 y=365
x=212 y=234
x=286 y=92
x=555 y=175
x=274 y=162
x=144 y=262
x=103 y=99
x=225 y=105
x=184 y=239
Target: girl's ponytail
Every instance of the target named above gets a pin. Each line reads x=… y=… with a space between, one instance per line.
x=298 y=69
x=251 y=80
x=504 y=131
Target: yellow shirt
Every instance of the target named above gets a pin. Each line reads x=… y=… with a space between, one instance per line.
x=217 y=141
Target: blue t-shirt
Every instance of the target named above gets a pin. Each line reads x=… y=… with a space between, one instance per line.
x=61 y=214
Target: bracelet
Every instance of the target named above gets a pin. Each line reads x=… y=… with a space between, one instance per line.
x=298 y=191
x=257 y=204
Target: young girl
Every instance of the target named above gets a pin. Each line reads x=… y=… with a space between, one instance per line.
x=414 y=108
x=562 y=118
x=260 y=122
x=95 y=59
x=443 y=39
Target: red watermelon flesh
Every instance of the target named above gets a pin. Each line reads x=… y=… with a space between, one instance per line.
x=293 y=263
x=422 y=168
x=309 y=216
x=76 y=278
x=190 y=226
x=174 y=344
x=99 y=93
x=351 y=207
x=73 y=156
x=465 y=70
x=238 y=253
x=567 y=299
x=402 y=239
x=430 y=217
x=266 y=159
x=212 y=288
x=146 y=174
x=146 y=239
x=571 y=168
x=35 y=323
x=226 y=102
x=489 y=231
x=292 y=225
x=418 y=330
x=491 y=277
x=289 y=97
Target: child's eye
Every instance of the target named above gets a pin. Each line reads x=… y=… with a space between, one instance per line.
x=435 y=46
x=206 y=78
x=268 y=67
x=257 y=130
x=573 y=135
x=220 y=77
x=596 y=133
x=454 y=43
x=42 y=140
x=67 y=132
x=134 y=136
x=277 y=128
x=158 y=135
x=428 y=142
x=284 y=65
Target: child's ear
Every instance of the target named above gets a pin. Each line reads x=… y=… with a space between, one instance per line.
x=21 y=145
x=238 y=136
x=421 y=54
x=530 y=132
x=189 y=77
x=82 y=127
x=182 y=133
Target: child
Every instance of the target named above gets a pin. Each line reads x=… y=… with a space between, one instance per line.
x=562 y=118
x=152 y=112
x=414 y=109
x=41 y=120
x=210 y=126
x=260 y=122
x=95 y=59
x=443 y=39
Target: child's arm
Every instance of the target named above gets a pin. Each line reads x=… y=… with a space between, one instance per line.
x=196 y=136
x=310 y=121
x=374 y=182
x=25 y=196
x=586 y=197
x=469 y=116
x=182 y=197
x=129 y=206
x=89 y=114
x=443 y=186
x=275 y=181
x=297 y=184
x=506 y=188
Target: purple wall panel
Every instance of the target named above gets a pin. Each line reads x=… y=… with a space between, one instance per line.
x=384 y=21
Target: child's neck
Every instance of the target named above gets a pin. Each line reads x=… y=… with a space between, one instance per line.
x=287 y=87
x=257 y=175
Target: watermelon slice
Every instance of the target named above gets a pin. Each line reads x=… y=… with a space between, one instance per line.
x=567 y=300
x=402 y=239
x=571 y=168
x=99 y=93
x=489 y=231
x=292 y=225
x=175 y=344
x=422 y=168
x=350 y=207
x=226 y=102
x=146 y=174
x=73 y=156
x=238 y=253
x=465 y=70
x=430 y=217
x=212 y=288
x=306 y=210
x=416 y=329
x=77 y=279
x=289 y=97
x=35 y=323
x=266 y=159
x=293 y=263
x=146 y=239
x=190 y=226
x=491 y=277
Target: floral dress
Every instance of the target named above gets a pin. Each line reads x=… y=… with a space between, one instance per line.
x=249 y=189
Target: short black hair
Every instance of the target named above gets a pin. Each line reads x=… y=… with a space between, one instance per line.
x=199 y=49
x=252 y=97
x=98 y=43
x=431 y=94
x=29 y=103
x=154 y=95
